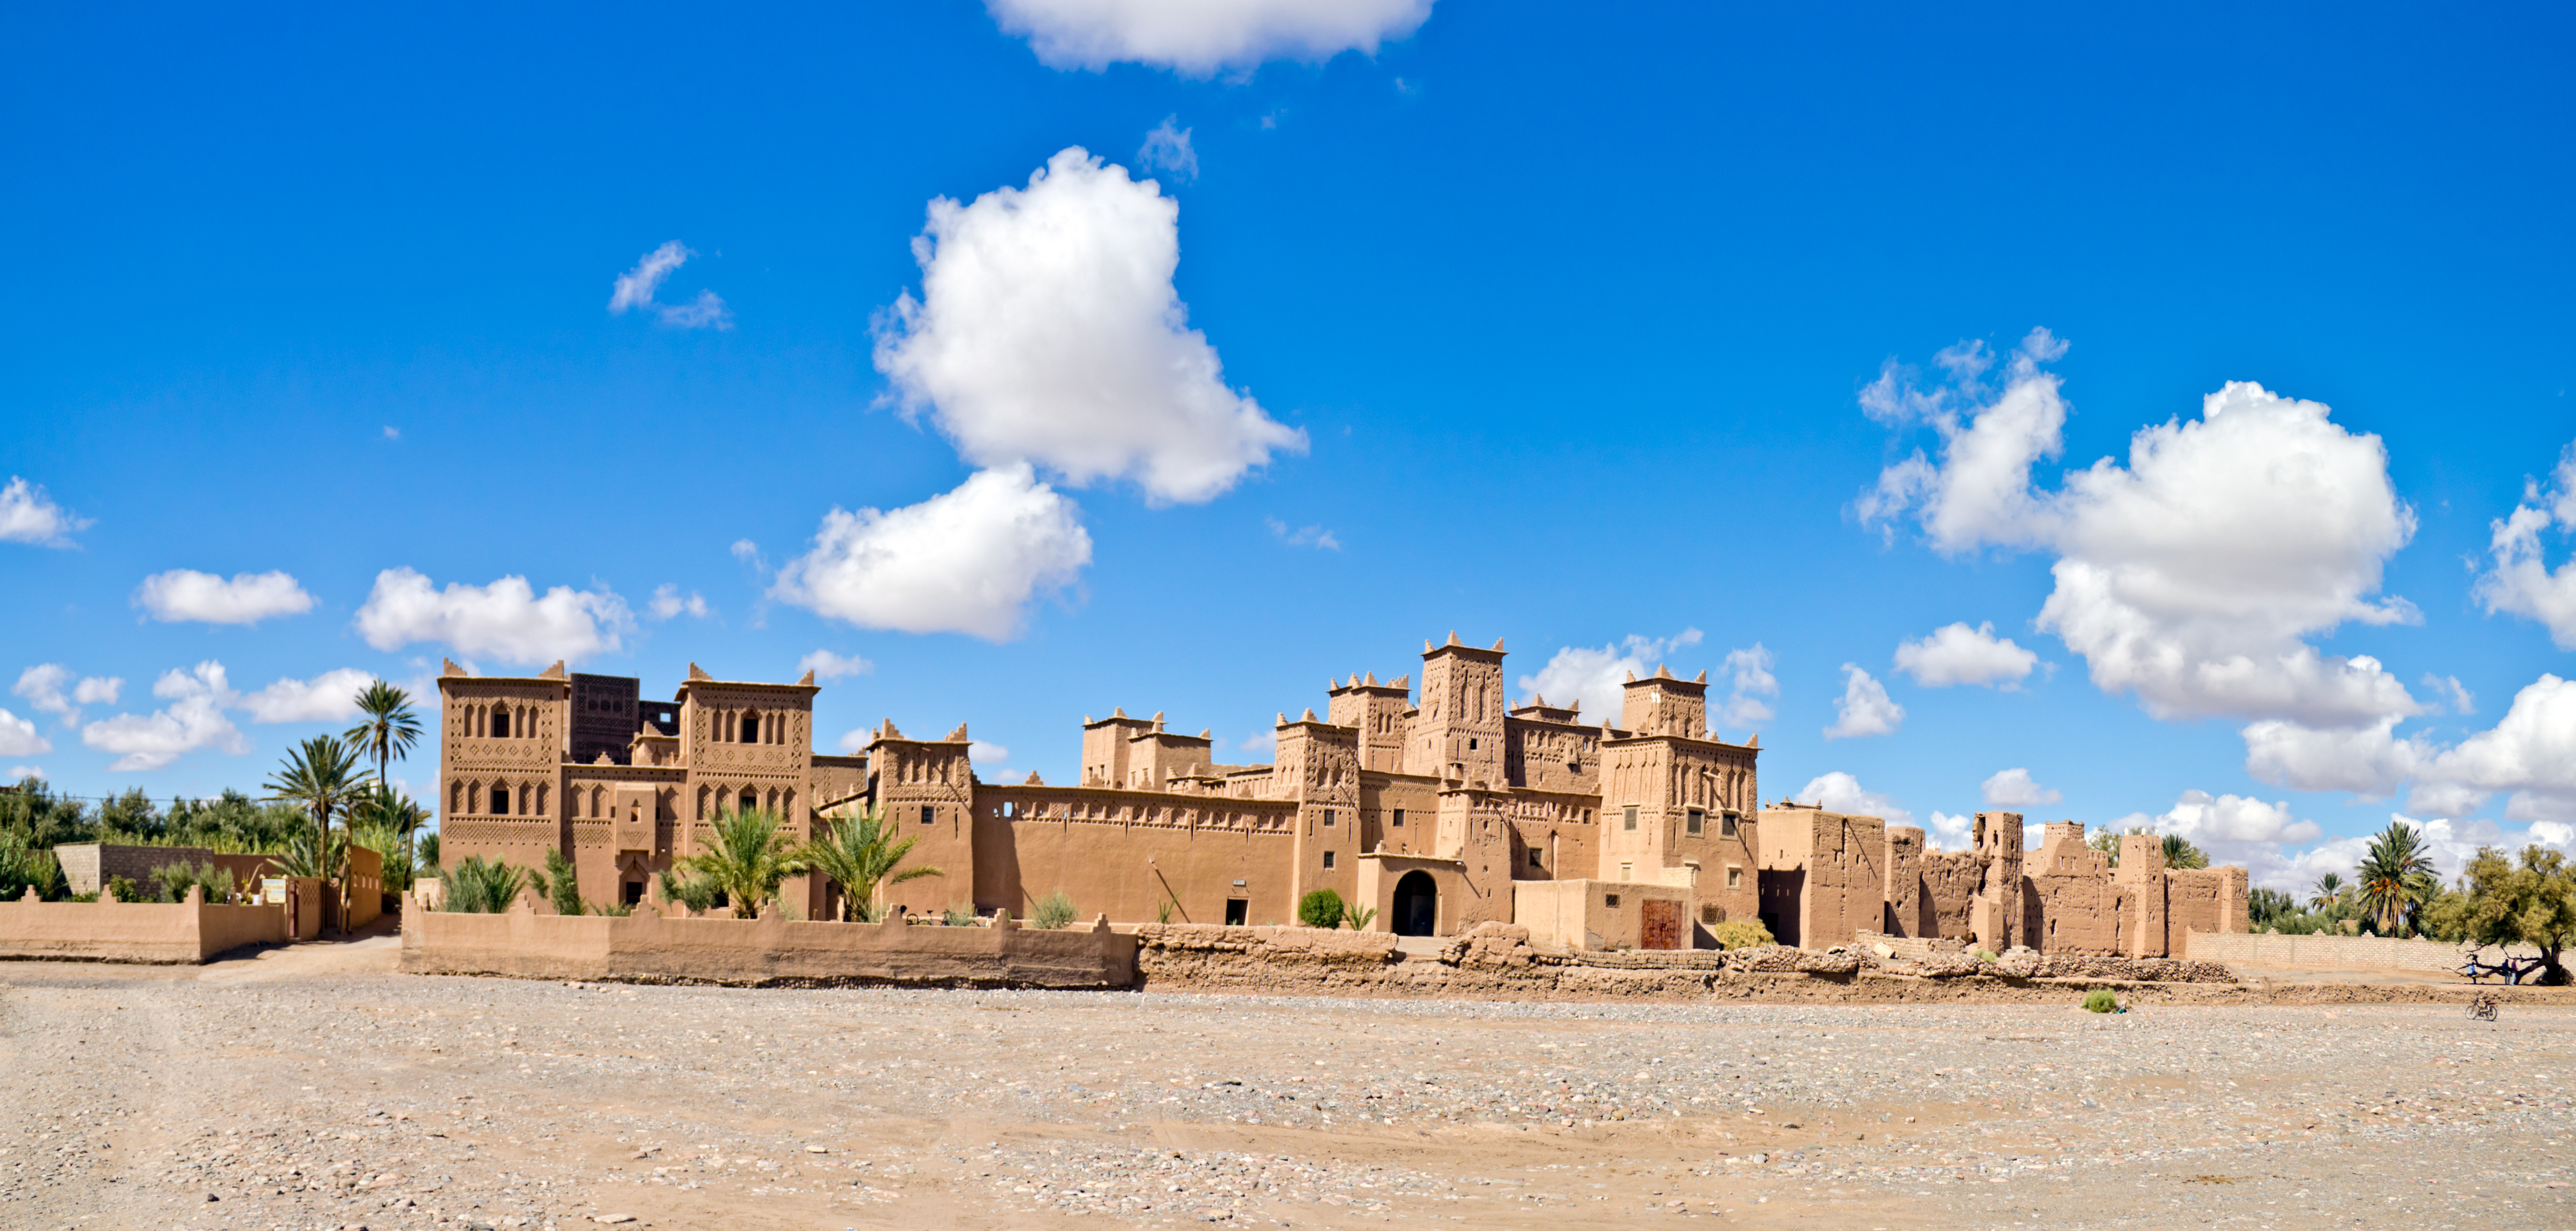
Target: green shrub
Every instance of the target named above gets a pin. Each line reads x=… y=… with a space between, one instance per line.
x=1741 y=934
x=961 y=915
x=1054 y=911
x=1320 y=909
x=177 y=878
x=1163 y=913
x=23 y=867
x=478 y=888
x=559 y=884
x=2100 y=1000
x=695 y=892
x=1983 y=955
x=125 y=889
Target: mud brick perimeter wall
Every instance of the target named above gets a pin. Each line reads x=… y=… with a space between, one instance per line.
x=151 y=932
x=2335 y=952
x=648 y=947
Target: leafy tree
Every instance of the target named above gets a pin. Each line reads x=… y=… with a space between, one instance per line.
x=1320 y=909
x=696 y=893
x=2263 y=906
x=859 y=854
x=130 y=817
x=750 y=855
x=42 y=819
x=23 y=867
x=324 y=779
x=396 y=817
x=2396 y=876
x=386 y=730
x=2503 y=902
x=558 y=883
x=2108 y=843
x=2180 y=853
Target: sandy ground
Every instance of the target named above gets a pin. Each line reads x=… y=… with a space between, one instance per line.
x=312 y=1087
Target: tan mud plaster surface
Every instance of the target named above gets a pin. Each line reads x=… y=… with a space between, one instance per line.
x=308 y=1088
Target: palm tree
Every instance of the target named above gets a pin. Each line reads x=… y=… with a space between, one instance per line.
x=2394 y=873
x=2180 y=853
x=748 y=858
x=324 y=779
x=2329 y=893
x=400 y=816
x=388 y=730
x=860 y=853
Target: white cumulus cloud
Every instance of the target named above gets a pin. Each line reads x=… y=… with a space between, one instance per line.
x=43 y=687
x=1594 y=679
x=1049 y=333
x=1843 y=793
x=1958 y=654
x=966 y=561
x=2162 y=585
x=1199 y=38
x=1864 y=708
x=19 y=738
x=827 y=665
x=186 y=594
x=505 y=619
x=667 y=602
x=329 y=697
x=193 y=719
x=20 y=773
x=2013 y=788
x=2518 y=578
x=28 y=515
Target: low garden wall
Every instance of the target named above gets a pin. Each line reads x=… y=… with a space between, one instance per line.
x=113 y=931
x=2327 y=952
x=648 y=947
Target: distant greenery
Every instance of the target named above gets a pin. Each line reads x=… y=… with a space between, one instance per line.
x=2100 y=1000
x=2502 y=901
x=2179 y=852
x=23 y=866
x=175 y=879
x=1320 y=909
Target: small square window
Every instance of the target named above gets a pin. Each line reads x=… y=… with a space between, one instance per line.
x=1711 y=914
x=1610 y=900
x=1471 y=743
x=1735 y=878
x=1399 y=818
x=1627 y=871
x=1726 y=824
x=1236 y=911
x=1696 y=821
x=1534 y=858
x=1328 y=818
x=929 y=814
x=1631 y=821
x=1328 y=861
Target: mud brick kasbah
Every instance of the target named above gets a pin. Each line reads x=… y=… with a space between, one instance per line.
x=1440 y=810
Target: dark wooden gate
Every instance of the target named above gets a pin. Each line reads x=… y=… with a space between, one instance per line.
x=1662 y=925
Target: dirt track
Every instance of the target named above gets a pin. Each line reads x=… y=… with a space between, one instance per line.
x=311 y=1087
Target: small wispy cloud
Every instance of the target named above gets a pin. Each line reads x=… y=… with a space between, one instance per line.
x=1168 y=148
x=1309 y=536
x=667 y=602
x=636 y=287
x=830 y=666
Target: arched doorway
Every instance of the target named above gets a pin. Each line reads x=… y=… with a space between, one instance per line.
x=1417 y=905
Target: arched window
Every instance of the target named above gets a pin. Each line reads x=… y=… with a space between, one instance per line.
x=500 y=723
x=750 y=799
x=500 y=799
x=455 y=797
x=750 y=727
x=542 y=792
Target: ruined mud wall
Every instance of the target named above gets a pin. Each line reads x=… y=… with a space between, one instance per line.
x=647 y=947
x=2202 y=900
x=2074 y=913
x=1949 y=887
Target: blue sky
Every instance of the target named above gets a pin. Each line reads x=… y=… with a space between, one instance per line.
x=1566 y=326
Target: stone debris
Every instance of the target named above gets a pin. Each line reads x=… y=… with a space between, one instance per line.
x=401 y=1104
